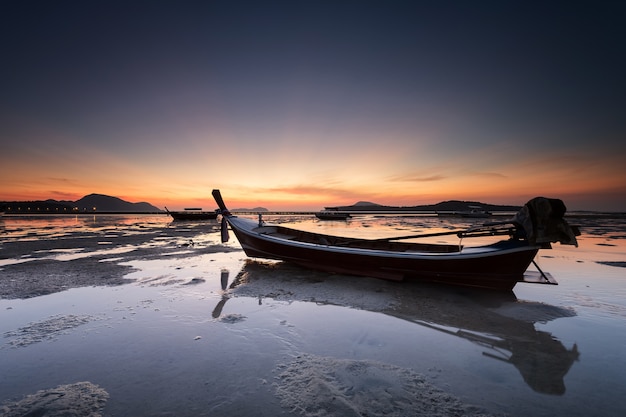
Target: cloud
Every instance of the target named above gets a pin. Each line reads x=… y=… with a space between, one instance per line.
x=488 y=174
x=313 y=191
x=62 y=180
x=417 y=178
x=63 y=195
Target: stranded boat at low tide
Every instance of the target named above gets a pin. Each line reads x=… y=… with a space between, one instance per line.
x=497 y=266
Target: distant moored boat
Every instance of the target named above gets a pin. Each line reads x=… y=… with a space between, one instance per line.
x=332 y=215
x=472 y=212
x=192 y=214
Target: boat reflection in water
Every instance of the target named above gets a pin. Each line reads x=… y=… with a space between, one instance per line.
x=501 y=324
x=217 y=311
x=542 y=360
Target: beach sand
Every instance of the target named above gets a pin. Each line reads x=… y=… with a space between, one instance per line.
x=292 y=367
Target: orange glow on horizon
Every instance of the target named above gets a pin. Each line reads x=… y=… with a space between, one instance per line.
x=590 y=180
x=576 y=194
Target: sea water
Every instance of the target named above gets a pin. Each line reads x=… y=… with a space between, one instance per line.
x=202 y=330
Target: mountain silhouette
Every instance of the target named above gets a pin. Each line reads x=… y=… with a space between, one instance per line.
x=451 y=205
x=101 y=202
x=98 y=203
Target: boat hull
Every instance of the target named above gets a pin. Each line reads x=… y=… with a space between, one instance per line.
x=332 y=216
x=191 y=216
x=496 y=268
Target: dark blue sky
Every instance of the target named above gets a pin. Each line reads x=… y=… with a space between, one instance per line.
x=435 y=78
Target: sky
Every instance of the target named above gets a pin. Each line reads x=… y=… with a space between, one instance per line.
x=298 y=105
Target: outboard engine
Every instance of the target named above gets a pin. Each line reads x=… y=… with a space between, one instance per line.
x=542 y=220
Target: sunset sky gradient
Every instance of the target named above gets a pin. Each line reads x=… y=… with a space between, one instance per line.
x=297 y=105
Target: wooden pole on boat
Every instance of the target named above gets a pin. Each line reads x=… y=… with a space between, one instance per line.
x=454 y=232
x=225 y=213
x=218 y=199
x=387 y=239
x=224 y=229
x=459 y=233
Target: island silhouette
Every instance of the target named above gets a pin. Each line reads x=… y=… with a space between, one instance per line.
x=100 y=203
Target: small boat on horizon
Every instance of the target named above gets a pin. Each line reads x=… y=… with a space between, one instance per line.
x=332 y=215
x=475 y=212
x=193 y=214
x=496 y=266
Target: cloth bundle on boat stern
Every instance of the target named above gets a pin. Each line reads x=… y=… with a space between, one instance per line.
x=543 y=222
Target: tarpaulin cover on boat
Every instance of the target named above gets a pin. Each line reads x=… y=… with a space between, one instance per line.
x=543 y=222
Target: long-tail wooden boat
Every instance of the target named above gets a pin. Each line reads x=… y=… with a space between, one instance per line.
x=498 y=266
x=193 y=214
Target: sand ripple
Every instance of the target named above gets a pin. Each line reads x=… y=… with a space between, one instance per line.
x=80 y=399
x=321 y=386
x=44 y=330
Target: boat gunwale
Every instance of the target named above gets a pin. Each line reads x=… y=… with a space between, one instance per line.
x=471 y=252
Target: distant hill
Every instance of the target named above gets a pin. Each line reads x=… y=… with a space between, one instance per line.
x=98 y=203
x=451 y=205
x=249 y=210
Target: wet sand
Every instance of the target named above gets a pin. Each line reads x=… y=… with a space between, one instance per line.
x=79 y=399
x=38 y=263
x=153 y=318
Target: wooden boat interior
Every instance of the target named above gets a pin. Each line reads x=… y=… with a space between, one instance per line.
x=287 y=233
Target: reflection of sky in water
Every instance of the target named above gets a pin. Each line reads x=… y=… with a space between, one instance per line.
x=30 y=227
x=170 y=268
x=165 y=322
x=71 y=254
x=4 y=262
